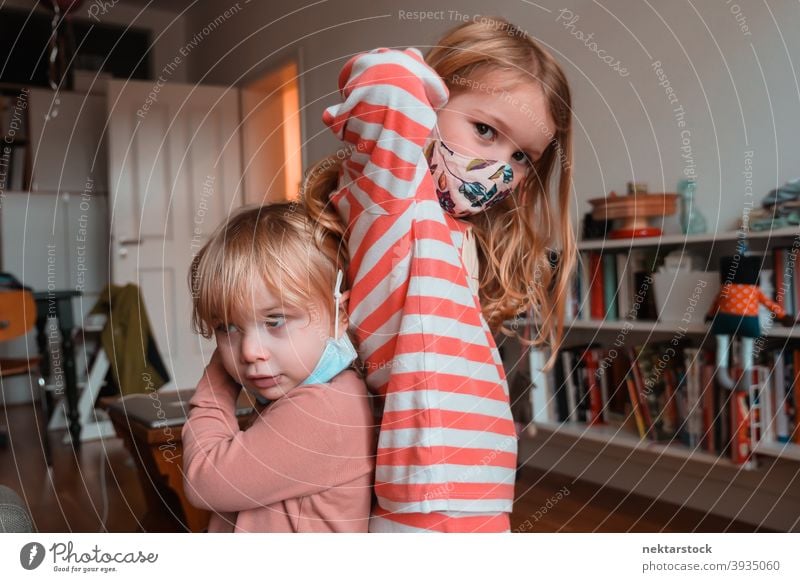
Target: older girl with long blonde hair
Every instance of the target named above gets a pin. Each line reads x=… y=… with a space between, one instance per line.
x=444 y=201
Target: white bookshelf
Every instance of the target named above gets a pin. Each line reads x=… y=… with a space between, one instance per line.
x=687 y=239
x=789 y=451
x=622 y=438
x=616 y=456
x=647 y=326
x=615 y=436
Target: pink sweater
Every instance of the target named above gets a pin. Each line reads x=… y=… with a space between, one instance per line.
x=305 y=465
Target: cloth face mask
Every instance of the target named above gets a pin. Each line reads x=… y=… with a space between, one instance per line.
x=339 y=352
x=466 y=185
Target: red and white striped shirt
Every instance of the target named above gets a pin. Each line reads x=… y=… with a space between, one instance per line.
x=447 y=439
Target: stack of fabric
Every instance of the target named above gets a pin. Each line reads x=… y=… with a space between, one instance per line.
x=779 y=209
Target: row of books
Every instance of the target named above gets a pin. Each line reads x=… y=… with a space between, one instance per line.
x=616 y=286
x=668 y=393
x=613 y=286
x=787 y=286
x=781 y=396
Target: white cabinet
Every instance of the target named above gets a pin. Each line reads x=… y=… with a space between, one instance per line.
x=67 y=142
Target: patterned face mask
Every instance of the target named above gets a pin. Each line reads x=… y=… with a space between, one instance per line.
x=466 y=185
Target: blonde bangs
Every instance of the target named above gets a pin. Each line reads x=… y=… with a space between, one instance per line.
x=271 y=244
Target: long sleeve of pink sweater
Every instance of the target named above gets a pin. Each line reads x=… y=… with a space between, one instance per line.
x=306 y=464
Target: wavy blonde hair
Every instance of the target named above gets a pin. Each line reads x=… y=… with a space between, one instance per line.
x=515 y=237
x=275 y=243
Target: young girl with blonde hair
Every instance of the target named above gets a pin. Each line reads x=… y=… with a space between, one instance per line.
x=265 y=287
x=444 y=204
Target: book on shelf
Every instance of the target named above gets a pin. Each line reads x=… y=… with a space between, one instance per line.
x=777 y=392
x=613 y=285
x=667 y=393
x=610 y=286
x=780 y=411
x=540 y=385
x=742 y=445
x=777 y=421
x=636 y=408
x=596 y=287
x=642 y=382
x=787 y=285
x=625 y=289
x=594 y=414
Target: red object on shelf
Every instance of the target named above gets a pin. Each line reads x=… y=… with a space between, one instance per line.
x=633 y=212
x=622 y=233
x=707 y=387
x=595 y=394
x=742 y=448
x=596 y=305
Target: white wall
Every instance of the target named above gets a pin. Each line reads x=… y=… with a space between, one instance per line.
x=738 y=88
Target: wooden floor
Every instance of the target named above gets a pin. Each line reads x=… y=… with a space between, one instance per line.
x=97 y=489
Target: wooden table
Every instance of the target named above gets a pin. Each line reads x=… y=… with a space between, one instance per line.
x=151 y=424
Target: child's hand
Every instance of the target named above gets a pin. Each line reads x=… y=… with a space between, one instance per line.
x=216 y=377
x=787 y=320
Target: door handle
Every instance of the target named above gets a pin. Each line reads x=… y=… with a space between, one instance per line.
x=124 y=243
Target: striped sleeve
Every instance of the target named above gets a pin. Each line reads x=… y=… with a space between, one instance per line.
x=447 y=440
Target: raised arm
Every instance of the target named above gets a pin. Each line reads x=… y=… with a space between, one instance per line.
x=288 y=452
x=771 y=305
x=388 y=110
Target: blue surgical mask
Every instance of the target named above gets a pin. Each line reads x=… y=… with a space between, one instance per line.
x=339 y=352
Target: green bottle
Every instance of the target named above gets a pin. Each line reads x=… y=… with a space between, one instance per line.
x=692 y=220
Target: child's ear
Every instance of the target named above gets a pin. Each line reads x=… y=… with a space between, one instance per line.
x=344 y=320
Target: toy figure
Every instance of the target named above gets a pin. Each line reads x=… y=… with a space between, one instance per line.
x=735 y=313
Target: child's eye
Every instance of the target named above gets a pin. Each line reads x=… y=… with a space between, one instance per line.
x=522 y=158
x=275 y=321
x=225 y=329
x=485 y=131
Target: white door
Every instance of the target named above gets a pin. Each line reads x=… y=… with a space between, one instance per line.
x=175 y=169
